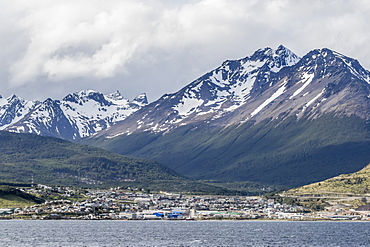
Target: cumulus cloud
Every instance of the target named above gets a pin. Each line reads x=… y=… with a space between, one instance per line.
x=157 y=46
x=77 y=38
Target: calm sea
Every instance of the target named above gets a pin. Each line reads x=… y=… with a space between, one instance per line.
x=183 y=233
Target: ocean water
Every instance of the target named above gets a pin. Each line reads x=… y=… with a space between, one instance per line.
x=183 y=233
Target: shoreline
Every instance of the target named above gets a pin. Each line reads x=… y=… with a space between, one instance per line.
x=191 y=220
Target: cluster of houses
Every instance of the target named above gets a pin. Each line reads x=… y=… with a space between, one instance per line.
x=136 y=205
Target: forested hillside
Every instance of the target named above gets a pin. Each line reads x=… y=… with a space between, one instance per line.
x=52 y=161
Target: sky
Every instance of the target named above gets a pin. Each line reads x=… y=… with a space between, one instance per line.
x=49 y=49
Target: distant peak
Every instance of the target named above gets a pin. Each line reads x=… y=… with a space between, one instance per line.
x=282 y=47
x=12 y=97
x=115 y=96
x=326 y=53
x=282 y=50
x=87 y=92
x=326 y=57
x=262 y=53
x=275 y=59
x=141 y=95
x=141 y=98
x=270 y=51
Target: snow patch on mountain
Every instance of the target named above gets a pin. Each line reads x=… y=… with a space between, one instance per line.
x=307 y=79
x=315 y=98
x=279 y=92
x=187 y=106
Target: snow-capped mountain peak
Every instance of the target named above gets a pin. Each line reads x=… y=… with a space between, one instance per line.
x=85 y=96
x=13 y=109
x=355 y=67
x=141 y=99
x=285 y=57
x=115 y=96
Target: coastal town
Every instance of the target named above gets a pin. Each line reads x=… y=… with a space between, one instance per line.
x=136 y=204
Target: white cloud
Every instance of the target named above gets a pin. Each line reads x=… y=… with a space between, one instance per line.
x=158 y=46
x=73 y=38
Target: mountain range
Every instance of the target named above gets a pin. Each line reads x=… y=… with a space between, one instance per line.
x=272 y=118
x=77 y=115
x=269 y=84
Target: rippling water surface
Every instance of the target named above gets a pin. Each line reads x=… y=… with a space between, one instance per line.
x=183 y=233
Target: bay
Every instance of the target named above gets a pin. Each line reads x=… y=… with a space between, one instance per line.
x=183 y=233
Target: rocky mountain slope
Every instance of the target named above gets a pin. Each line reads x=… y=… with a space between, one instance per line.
x=76 y=116
x=271 y=117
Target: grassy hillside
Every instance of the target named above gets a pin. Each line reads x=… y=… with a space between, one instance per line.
x=345 y=191
x=289 y=153
x=356 y=183
x=12 y=197
x=56 y=162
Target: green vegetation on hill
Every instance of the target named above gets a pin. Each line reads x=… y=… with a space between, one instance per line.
x=286 y=153
x=57 y=162
x=355 y=183
x=12 y=197
x=344 y=191
x=53 y=161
